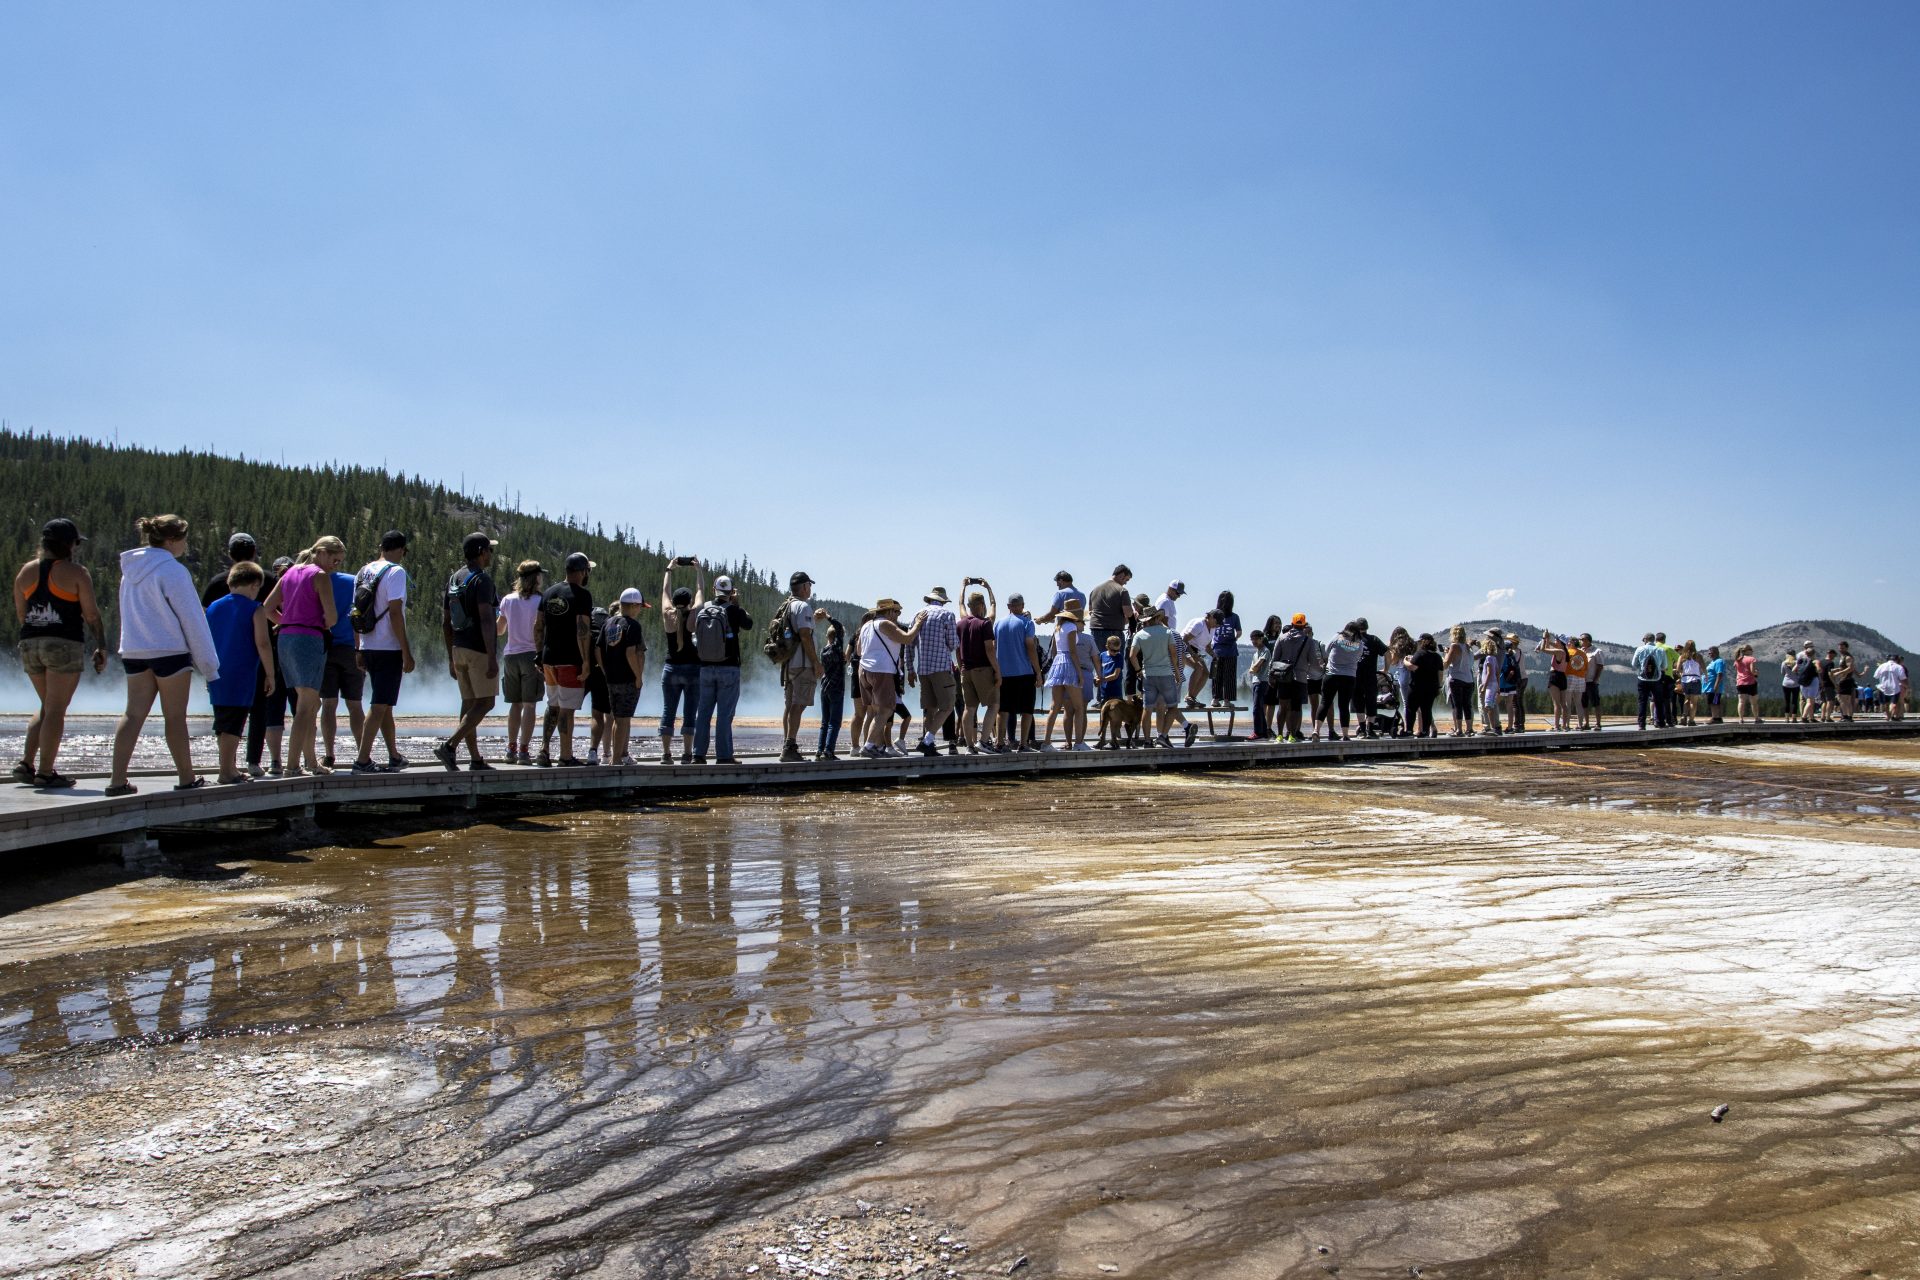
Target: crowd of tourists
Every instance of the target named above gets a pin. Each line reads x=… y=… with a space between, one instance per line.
x=282 y=646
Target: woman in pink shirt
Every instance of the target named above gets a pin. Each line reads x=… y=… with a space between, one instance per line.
x=1746 y=682
x=301 y=606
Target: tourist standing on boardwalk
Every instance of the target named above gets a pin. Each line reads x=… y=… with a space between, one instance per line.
x=1846 y=682
x=1068 y=674
x=1016 y=650
x=1790 y=684
x=241 y=547
x=342 y=678
x=1155 y=655
x=1400 y=647
x=833 y=683
x=1285 y=677
x=1110 y=615
x=800 y=673
x=623 y=656
x=1713 y=684
x=1590 y=696
x=1890 y=677
x=1669 y=681
x=980 y=669
x=1311 y=672
x=386 y=653
x=1426 y=671
x=1459 y=660
x=1690 y=680
x=1648 y=672
x=883 y=643
x=244 y=645
x=470 y=629
x=564 y=635
x=1555 y=648
x=930 y=664
x=1257 y=680
x=680 y=677
x=857 y=731
x=1224 y=647
x=520 y=680
x=266 y=724
x=717 y=627
x=1579 y=663
x=163 y=640
x=301 y=607
x=1064 y=593
x=1487 y=671
x=53 y=598
x=1345 y=653
x=1746 y=683
x=1366 y=677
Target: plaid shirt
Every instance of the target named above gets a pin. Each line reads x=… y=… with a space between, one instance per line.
x=932 y=651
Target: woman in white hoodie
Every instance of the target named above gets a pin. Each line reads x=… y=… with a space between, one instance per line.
x=164 y=639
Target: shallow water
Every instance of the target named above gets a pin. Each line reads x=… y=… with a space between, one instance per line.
x=1466 y=1017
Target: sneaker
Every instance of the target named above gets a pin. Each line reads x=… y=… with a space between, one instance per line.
x=593 y=755
x=1163 y=741
x=686 y=757
x=396 y=763
x=544 y=762
x=255 y=771
x=275 y=771
x=572 y=762
x=445 y=755
x=725 y=760
x=479 y=766
x=1194 y=704
x=326 y=762
x=790 y=754
x=366 y=766
x=871 y=752
x=666 y=757
x=696 y=760
x=926 y=749
x=1193 y=731
x=1079 y=746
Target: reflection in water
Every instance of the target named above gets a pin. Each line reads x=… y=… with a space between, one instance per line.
x=1467 y=1015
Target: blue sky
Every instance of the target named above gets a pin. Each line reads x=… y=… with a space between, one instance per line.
x=1346 y=307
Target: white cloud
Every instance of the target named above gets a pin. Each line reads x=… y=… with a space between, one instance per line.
x=1497 y=596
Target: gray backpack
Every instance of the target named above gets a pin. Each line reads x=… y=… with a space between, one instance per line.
x=711 y=632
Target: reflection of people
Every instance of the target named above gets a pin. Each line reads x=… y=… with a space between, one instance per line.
x=699 y=947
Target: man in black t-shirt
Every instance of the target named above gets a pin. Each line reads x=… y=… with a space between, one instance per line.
x=1366 y=677
x=467 y=627
x=1110 y=613
x=719 y=674
x=565 y=644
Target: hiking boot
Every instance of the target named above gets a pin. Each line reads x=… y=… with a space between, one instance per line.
x=444 y=753
x=927 y=749
x=790 y=754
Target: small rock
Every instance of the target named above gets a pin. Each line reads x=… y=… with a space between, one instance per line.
x=1719 y=1113
x=1016 y=1264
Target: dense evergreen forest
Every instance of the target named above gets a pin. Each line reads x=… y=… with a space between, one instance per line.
x=104 y=489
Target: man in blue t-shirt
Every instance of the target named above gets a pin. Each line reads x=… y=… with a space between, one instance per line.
x=342 y=676
x=1019 y=657
x=1649 y=669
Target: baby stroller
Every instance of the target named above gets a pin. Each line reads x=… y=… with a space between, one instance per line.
x=1386 y=709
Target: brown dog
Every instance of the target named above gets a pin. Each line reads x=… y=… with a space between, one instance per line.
x=1117 y=714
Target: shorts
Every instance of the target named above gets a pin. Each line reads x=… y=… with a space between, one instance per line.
x=1747 y=690
x=596 y=687
x=522 y=680
x=303 y=656
x=52 y=656
x=342 y=676
x=1590 y=696
x=1691 y=688
x=802 y=684
x=877 y=689
x=1556 y=680
x=470 y=673
x=1577 y=684
x=979 y=689
x=565 y=688
x=1159 y=693
x=231 y=720
x=383 y=675
x=622 y=699
x=1848 y=688
x=1016 y=695
x=171 y=664
x=1713 y=696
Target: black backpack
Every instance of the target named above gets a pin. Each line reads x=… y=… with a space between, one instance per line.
x=365 y=591
x=1650 y=667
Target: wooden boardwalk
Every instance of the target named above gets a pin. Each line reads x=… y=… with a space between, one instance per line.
x=32 y=819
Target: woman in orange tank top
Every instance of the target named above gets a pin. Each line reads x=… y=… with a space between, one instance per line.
x=53 y=598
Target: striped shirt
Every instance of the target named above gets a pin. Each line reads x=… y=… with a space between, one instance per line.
x=933 y=649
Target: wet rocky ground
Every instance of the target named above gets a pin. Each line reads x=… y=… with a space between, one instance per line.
x=1434 y=1019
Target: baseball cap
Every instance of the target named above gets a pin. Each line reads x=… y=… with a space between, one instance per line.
x=241 y=540
x=475 y=545
x=392 y=540
x=723 y=585
x=1299 y=619
x=1177 y=587
x=61 y=529
x=633 y=595
x=578 y=563
x=1063 y=574
x=797 y=577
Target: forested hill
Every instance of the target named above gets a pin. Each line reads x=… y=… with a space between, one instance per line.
x=104 y=489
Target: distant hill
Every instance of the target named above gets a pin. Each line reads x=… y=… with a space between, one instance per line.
x=105 y=489
x=1769 y=644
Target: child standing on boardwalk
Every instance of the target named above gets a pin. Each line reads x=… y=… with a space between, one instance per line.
x=239 y=627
